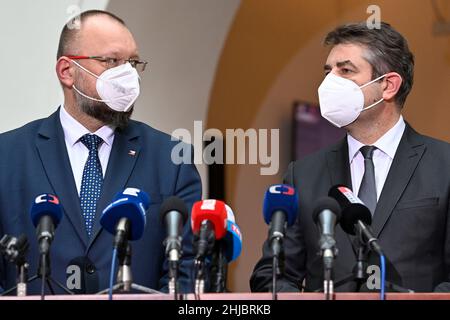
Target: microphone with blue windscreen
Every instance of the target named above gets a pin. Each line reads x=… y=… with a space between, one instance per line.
x=125 y=216
x=280 y=210
x=45 y=213
x=233 y=240
x=225 y=251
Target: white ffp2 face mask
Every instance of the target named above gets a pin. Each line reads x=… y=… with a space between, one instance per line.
x=117 y=87
x=341 y=100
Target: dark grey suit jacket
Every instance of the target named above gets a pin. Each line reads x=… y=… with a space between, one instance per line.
x=411 y=219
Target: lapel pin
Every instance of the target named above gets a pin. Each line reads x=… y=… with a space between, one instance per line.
x=132 y=153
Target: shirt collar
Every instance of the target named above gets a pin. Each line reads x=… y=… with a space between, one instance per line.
x=73 y=130
x=388 y=143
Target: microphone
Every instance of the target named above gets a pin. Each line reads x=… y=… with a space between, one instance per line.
x=230 y=214
x=46 y=213
x=233 y=237
x=125 y=216
x=173 y=214
x=125 y=219
x=14 y=249
x=326 y=215
x=280 y=210
x=226 y=250
x=233 y=242
x=208 y=221
x=356 y=217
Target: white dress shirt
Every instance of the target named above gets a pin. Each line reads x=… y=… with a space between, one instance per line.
x=382 y=157
x=77 y=151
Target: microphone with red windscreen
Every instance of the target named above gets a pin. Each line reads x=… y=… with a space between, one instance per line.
x=209 y=223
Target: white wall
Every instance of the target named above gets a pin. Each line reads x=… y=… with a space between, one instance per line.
x=29 y=33
x=183 y=41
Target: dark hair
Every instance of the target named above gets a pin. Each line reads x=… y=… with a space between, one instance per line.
x=387 y=51
x=68 y=33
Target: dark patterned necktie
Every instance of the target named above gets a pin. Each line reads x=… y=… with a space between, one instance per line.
x=368 y=190
x=92 y=181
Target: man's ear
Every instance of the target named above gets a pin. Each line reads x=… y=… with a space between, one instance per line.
x=391 y=86
x=64 y=71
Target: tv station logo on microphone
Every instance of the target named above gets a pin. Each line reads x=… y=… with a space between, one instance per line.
x=209 y=204
x=349 y=195
x=46 y=198
x=236 y=230
x=282 y=189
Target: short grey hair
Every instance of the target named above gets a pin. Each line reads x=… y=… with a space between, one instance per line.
x=386 y=51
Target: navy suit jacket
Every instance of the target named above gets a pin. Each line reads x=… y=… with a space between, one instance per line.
x=34 y=160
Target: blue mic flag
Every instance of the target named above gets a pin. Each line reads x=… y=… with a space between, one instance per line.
x=281 y=197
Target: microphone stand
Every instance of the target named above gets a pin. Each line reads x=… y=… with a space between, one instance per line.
x=43 y=273
x=173 y=255
x=22 y=276
x=219 y=269
x=15 y=251
x=200 y=278
x=276 y=270
x=173 y=278
x=124 y=275
x=204 y=243
x=275 y=273
x=359 y=274
x=328 y=252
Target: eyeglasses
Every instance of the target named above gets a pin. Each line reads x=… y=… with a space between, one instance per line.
x=114 y=62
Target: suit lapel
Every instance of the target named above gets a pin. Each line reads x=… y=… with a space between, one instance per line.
x=123 y=157
x=339 y=168
x=338 y=165
x=55 y=160
x=407 y=157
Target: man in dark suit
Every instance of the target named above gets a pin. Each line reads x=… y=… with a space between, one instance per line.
x=402 y=176
x=85 y=153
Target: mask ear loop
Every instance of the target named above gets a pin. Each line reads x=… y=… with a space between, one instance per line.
x=375 y=80
x=88 y=97
x=84 y=69
x=92 y=74
x=379 y=101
